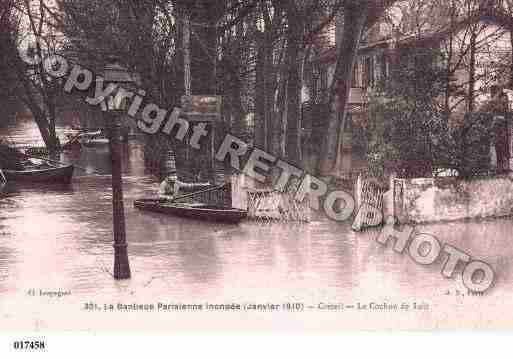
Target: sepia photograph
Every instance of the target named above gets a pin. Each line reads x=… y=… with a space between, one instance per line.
x=255 y=165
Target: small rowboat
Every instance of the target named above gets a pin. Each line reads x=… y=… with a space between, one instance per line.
x=86 y=136
x=92 y=139
x=98 y=141
x=195 y=211
x=50 y=174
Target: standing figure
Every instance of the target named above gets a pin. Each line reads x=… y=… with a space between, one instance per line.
x=499 y=107
x=501 y=132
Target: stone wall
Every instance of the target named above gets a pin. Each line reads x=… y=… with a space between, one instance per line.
x=449 y=198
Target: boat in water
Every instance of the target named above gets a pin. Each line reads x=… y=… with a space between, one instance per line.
x=93 y=139
x=199 y=211
x=16 y=166
x=93 y=142
x=46 y=174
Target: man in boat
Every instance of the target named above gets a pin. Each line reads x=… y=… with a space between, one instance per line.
x=170 y=187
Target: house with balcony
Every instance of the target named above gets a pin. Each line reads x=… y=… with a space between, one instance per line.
x=476 y=54
x=372 y=65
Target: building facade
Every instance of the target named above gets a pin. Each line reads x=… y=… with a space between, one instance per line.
x=476 y=56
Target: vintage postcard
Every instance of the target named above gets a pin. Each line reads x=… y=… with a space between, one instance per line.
x=316 y=165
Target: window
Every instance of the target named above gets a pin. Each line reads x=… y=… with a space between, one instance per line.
x=315 y=85
x=324 y=80
x=357 y=78
x=368 y=72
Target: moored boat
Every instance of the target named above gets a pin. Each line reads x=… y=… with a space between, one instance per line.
x=196 y=211
x=91 y=139
x=99 y=141
x=48 y=174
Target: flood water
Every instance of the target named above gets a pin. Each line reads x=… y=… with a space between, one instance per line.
x=59 y=238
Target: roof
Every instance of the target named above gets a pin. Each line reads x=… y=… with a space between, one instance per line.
x=116 y=73
x=330 y=54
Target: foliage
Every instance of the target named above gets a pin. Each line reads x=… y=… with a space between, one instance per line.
x=7 y=35
x=416 y=116
x=416 y=140
x=468 y=149
x=405 y=121
x=29 y=83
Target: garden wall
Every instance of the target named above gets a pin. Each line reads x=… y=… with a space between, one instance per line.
x=450 y=198
x=263 y=202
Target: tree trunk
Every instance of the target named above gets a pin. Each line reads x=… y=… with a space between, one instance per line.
x=186 y=54
x=280 y=117
x=264 y=96
x=260 y=96
x=235 y=89
x=42 y=124
x=203 y=44
x=511 y=44
x=355 y=16
x=137 y=17
x=270 y=85
x=472 y=71
x=48 y=134
x=448 y=73
x=293 y=129
x=54 y=144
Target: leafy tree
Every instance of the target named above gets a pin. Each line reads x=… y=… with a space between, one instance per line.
x=405 y=118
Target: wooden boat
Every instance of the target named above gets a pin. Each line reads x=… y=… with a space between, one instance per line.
x=98 y=141
x=196 y=211
x=48 y=174
x=37 y=151
x=93 y=139
x=85 y=136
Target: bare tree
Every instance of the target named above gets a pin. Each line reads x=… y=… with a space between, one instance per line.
x=38 y=91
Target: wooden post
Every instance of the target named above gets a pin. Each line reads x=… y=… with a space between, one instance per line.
x=358 y=192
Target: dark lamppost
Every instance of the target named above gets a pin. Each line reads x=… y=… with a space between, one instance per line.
x=116 y=74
